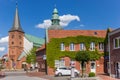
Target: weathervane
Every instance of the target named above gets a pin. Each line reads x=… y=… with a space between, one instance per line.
x=16 y=3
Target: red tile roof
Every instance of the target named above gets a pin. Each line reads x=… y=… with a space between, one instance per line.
x=41 y=48
x=68 y=33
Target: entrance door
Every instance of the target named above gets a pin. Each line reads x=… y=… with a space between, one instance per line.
x=118 y=70
x=93 y=66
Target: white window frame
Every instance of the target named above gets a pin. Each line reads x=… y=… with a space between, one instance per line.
x=82 y=46
x=72 y=47
x=101 y=46
x=62 y=47
x=92 y=46
x=59 y=63
x=118 y=43
x=62 y=63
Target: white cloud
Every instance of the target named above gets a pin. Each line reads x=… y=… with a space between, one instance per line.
x=2 y=49
x=4 y=39
x=64 y=21
x=45 y=24
x=3 y=45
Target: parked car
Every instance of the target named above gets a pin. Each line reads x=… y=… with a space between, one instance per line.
x=61 y=71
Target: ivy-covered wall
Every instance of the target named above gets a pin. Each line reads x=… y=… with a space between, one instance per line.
x=53 y=47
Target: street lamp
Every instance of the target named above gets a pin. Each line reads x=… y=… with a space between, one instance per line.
x=44 y=58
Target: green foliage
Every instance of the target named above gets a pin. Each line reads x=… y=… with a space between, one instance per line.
x=83 y=56
x=54 y=53
x=106 y=38
x=31 y=56
x=91 y=74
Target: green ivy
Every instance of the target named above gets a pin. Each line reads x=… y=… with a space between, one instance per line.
x=53 y=47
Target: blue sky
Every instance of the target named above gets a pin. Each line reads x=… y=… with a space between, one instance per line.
x=80 y=14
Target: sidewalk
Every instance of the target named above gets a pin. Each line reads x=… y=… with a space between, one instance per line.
x=106 y=77
x=43 y=75
x=35 y=74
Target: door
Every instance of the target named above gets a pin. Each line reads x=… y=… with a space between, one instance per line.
x=118 y=69
x=93 y=66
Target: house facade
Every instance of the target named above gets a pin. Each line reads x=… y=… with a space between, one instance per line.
x=114 y=53
x=62 y=46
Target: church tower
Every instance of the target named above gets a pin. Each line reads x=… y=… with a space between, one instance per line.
x=55 y=21
x=16 y=41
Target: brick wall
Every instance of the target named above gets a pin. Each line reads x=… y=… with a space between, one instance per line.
x=16 y=41
x=114 y=53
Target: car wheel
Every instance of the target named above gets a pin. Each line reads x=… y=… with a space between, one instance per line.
x=59 y=74
x=76 y=74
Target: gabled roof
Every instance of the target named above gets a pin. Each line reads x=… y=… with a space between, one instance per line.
x=41 y=48
x=69 y=33
x=36 y=40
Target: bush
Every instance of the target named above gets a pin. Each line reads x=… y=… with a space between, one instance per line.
x=91 y=74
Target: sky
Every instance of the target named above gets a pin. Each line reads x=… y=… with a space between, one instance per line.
x=35 y=15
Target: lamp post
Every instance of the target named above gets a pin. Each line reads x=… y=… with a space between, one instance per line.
x=44 y=58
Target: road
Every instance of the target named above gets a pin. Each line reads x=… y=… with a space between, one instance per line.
x=19 y=75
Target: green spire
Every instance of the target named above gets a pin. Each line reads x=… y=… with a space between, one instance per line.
x=55 y=21
x=55 y=17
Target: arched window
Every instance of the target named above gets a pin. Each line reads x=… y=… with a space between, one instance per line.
x=62 y=47
x=92 y=46
x=72 y=48
x=82 y=46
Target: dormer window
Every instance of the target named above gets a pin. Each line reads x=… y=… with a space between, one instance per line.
x=95 y=33
x=72 y=48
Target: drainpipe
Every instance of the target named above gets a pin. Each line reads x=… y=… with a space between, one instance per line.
x=109 y=55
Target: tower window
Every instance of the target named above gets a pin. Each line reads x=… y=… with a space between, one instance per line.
x=12 y=42
x=12 y=36
x=19 y=37
x=20 y=43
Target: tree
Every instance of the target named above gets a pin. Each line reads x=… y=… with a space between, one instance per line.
x=31 y=56
x=82 y=56
x=85 y=56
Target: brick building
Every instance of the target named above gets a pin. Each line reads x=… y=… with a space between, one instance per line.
x=61 y=47
x=20 y=44
x=114 y=51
